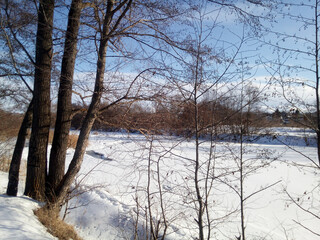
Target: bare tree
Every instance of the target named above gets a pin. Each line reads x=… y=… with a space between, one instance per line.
x=118 y=21
x=206 y=68
x=64 y=110
x=246 y=166
x=112 y=21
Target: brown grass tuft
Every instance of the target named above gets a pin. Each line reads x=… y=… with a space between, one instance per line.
x=49 y=217
x=72 y=140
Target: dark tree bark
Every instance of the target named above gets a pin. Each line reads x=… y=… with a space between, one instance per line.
x=93 y=110
x=13 y=182
x=64 y=110
x=37 y=158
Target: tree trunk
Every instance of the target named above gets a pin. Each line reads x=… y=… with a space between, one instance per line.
x=93 y=110
x=37 y=158
x=91 y=115
x=63 y=120
x=13 y=182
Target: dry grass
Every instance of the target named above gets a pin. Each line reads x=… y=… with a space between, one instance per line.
x=10 y=124
x=50 y=219
x=7 y=145
x=5 y=166
x=9 y=128
x=4 y=163
x=72 y=140
x=6 y=134
x=6 y=150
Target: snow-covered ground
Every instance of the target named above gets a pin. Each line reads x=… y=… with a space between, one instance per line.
x=119 y=170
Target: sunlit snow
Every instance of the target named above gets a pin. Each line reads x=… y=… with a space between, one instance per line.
x=111 y=198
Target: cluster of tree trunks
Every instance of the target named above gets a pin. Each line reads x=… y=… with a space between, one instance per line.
x=53 y=185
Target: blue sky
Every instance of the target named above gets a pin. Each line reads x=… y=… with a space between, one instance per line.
x=224 y=39
x=260 y=57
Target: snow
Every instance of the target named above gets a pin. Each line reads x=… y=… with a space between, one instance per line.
x=17 y=220
x=110 y=200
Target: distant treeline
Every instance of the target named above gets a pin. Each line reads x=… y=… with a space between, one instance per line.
x=179 y=118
